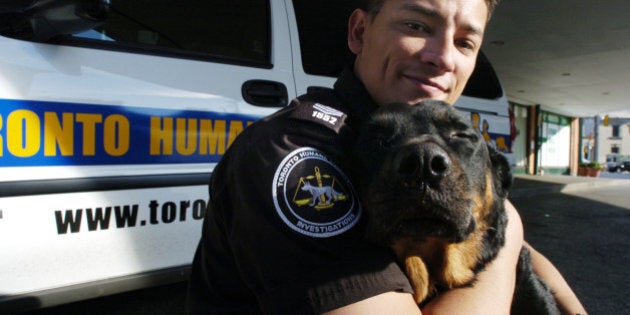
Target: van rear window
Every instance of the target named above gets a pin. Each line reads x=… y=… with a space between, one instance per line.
x=322 y=26
x=228 y=31
x=236 y=30
x=483 y=82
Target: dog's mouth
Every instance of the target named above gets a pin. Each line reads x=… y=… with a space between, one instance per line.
x=420 y=215
x=423 y=228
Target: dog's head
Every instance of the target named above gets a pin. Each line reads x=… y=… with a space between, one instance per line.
x=424 y=171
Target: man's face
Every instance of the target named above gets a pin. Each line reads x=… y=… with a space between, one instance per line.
x=414 y=50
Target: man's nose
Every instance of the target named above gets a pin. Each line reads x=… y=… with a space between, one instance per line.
x=439 y=52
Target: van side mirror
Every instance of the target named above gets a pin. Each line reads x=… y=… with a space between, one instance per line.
x=43 y=20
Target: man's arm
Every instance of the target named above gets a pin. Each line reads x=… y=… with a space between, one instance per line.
x=491 y=294
x=493 y=291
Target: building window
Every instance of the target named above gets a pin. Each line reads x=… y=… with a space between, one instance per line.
x=614 y=148
x=615 y=131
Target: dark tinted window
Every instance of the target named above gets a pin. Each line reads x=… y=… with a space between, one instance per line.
x=483 y=82
x=322 y=26
x=615 y=131
x=229 y=30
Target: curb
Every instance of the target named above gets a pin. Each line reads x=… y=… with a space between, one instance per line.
x=530 y=185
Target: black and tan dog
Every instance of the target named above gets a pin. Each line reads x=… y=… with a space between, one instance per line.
x=435 y=191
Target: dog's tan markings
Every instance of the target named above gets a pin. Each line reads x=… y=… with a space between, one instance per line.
x=429 y=257
x=463 y=257
x=426 y=257
x=483 y=203
x=458 y=270
x=418 y=274
x=419 y=258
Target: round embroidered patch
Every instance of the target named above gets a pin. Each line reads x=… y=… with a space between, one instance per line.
x=313 y=196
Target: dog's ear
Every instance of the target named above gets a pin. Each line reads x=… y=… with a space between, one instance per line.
x=501 y=171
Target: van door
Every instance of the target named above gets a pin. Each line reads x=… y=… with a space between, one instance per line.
x=108 y=137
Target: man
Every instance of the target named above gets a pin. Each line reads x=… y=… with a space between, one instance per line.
x=284 y=231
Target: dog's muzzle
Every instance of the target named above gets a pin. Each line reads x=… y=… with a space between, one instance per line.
x=421 y=163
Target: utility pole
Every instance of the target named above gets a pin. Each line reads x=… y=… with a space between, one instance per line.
x=595 y=138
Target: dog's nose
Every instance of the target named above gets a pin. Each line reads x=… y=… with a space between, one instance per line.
x=424 y=163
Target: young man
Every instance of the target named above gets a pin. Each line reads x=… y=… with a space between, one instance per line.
x=274 y=242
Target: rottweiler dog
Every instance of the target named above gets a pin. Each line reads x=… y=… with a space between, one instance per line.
x=434 y=191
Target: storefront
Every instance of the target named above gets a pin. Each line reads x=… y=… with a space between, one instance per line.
x=554 y=139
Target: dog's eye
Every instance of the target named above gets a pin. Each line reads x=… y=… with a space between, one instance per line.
x=384 y=142
x=470 y=136
x=382 y=138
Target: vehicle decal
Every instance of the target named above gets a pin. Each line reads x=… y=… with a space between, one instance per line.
x=501 y=142
x=102 y=218
x=39 y=133
x=57 y=240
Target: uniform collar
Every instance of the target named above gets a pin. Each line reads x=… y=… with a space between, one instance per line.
x=354 y=96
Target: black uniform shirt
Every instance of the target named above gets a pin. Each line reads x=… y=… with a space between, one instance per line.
x=284 y=230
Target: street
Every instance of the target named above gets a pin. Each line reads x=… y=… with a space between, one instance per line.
x=619 y=175
x=584 y=232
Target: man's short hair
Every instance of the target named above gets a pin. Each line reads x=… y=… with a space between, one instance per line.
x=374 y=6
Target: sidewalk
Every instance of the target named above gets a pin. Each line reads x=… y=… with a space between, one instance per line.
x=531 y=185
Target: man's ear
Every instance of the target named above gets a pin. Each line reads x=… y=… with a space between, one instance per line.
x=356 y=28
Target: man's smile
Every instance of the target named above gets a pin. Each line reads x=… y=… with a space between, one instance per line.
x=427 y=87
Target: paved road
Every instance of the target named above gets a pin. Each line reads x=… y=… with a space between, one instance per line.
x=585 y=232
x=618 y=175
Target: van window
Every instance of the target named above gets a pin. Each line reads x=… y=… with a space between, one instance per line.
x=232 y=31
x=322 y=27
x=483 y=82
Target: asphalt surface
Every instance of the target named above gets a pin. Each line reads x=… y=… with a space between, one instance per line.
x=583 y=227
x=581 y=224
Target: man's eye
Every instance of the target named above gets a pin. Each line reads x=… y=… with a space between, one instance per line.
x=466 y=45
x=416 y=26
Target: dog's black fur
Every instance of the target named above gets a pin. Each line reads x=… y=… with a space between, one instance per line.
x=434 y=191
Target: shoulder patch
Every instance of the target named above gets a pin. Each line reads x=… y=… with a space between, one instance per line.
x=313 y=196
x=321 y=114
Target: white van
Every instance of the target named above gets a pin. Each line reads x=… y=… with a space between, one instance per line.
x=113 y=114
x=485 y=101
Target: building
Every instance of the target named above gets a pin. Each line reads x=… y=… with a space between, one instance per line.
x=605 y=139
x=549 y=143
x=545 y=142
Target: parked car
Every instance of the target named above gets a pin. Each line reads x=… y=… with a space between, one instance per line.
x=613 y=162
x=613 y=166
x=624 y=166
